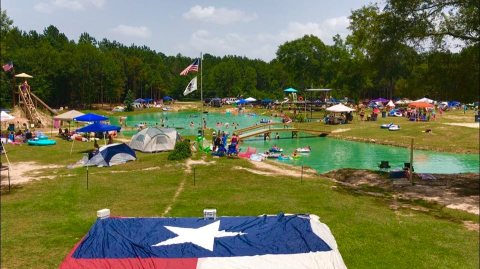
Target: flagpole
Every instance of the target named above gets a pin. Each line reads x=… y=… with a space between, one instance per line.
x=201 y=91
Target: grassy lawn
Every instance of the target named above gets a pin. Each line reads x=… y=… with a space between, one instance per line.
x=41 y=221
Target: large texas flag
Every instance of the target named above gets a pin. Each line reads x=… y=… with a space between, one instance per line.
x=282 y=241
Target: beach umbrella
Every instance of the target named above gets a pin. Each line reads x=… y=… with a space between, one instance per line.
x=241 y=101
x=90 y=117
x=167 y=98
x=250 y=99
x=4 y=116
x=290 y=90
x=23 y=75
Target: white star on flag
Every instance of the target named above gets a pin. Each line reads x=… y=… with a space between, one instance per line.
x=203 y=236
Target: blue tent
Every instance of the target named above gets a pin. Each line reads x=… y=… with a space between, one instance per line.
x=454 y=103
x=90 y=117
x=98 y=127
x=241 y=101
x=290 y=90
x=167 y=98
x=111 y=155
x=148 y=100
x=267 y=101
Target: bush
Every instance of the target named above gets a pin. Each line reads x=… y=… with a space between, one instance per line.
x=129 y=101
x=300 y=117
x=181 y=151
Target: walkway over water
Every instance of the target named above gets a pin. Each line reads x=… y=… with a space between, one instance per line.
x=268 y=128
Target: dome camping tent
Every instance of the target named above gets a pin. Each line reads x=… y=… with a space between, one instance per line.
x=154 y=139
x=112 y=154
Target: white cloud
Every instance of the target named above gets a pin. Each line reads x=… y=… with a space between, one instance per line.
x=262 y=45
x=132 y=31
x=324 y=30
x=218 y=15
x=74 y=5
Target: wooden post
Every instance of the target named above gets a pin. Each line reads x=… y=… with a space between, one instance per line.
x=410 y=174
x=301 y=176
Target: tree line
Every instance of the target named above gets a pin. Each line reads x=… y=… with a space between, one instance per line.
x=392 y=51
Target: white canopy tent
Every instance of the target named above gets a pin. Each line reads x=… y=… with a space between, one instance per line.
x=4 y=116
x=69 y=115
x=340 y=108
x=250 y=99
x=390 y=104
x=425 y=100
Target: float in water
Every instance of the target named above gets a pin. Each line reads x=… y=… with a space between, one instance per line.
x=303 y=150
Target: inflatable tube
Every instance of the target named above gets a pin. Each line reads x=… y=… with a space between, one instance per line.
x=394 y=127
x=43 y=142
x=300 y=98
x=275 y=150
x=398 y=114
x=284 y=158
x=303 y=150
x=386 y=125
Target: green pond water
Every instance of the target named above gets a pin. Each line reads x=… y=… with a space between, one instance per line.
x=327 y=153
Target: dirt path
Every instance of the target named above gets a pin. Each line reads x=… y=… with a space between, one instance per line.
x=181 y=186
x=23 y=172
x=456 y=191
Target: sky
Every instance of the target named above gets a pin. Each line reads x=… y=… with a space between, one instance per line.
x=251 y=28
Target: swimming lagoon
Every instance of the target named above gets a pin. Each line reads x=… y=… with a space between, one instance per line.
x=327 y=153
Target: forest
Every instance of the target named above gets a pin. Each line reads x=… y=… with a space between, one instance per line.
x=401 y=49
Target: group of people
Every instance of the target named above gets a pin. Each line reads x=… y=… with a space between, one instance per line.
x=219 y=142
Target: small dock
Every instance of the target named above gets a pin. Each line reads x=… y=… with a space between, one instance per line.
x=267 y=129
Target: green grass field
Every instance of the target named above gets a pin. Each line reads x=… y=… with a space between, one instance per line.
x=42 y=220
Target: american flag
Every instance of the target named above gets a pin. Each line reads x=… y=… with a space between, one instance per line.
x=7 y=67
x=191 y=68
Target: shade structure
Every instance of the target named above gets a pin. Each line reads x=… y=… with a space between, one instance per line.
x=381 y=100
x=98 y=127
x=290 y=90
x=148 y=100
x=424 y=100
x=267 y=100
x=340 y=108
x=167 y=98
x=250 y=99
x=90 y=117
x=140 y=100
x=69 y=115
x=420 y=105
x=318 y=90
x=390 y=104
x=23 y=75
x=241 y=101
x=4 y=116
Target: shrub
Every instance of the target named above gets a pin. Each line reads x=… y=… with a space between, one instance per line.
x=181 y=151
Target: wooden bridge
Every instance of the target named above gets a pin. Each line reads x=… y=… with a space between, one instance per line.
x=267 y=129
